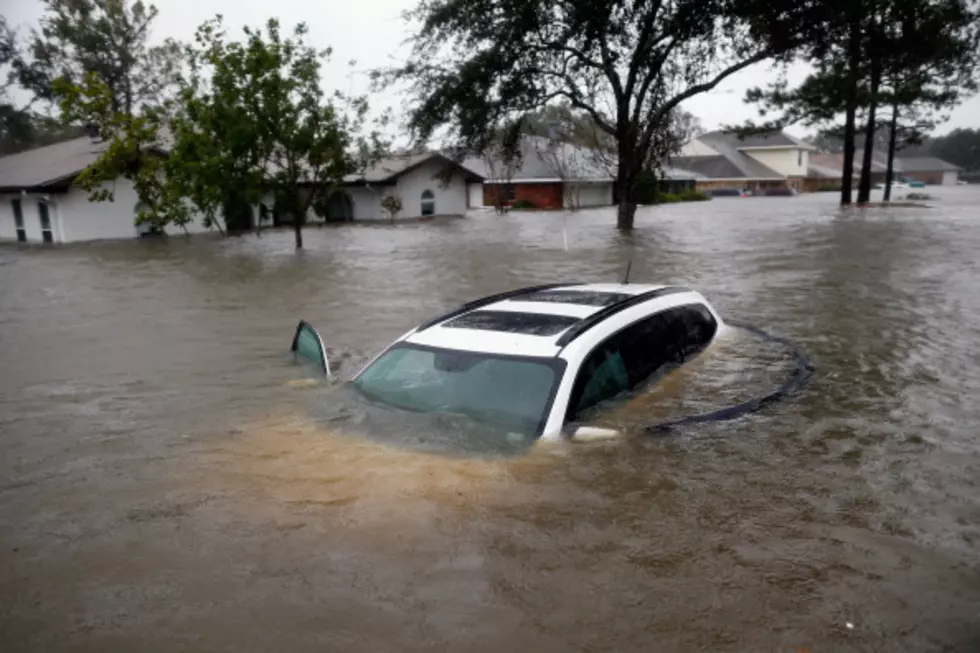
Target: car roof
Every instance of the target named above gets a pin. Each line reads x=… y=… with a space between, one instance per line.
x=539 y=321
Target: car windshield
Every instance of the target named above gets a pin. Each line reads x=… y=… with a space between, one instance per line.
x=512 y=392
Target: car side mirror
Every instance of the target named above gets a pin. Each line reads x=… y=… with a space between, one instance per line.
x=592 y=433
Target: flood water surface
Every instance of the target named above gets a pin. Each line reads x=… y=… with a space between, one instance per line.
x=171 y=480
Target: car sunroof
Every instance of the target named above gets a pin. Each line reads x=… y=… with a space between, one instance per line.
x=584 y=297
x=533 y=324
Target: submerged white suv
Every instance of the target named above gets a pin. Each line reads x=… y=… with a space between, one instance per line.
x=535 y=361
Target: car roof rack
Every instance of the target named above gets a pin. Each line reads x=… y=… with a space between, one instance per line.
x=601 y=315
x=485 y=301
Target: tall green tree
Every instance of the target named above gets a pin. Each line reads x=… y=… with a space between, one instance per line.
x=916 y=57
x=253 y=120
x=479 y=65
x=108 y=38
x=133 y=151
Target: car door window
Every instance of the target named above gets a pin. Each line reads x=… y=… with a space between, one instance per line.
x=628 y=359
x=618 y=365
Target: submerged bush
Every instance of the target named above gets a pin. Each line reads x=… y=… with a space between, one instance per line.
x=523 y=204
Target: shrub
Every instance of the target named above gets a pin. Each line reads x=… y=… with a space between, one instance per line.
x=668 y=198
x=392 y=205
x=523 y=204
x=691 y=195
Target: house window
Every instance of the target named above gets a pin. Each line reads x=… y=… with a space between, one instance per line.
x=508 y=193
x=42 y=212
x=19 y=220
x=799 y=158
x=428 y=203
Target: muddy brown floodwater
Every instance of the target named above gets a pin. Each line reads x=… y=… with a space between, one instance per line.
x=168 y=480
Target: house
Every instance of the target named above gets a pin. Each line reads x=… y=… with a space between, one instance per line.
x=768 y=163
x=825 y=170
x=550 y=175
x=928 y=170
x=427 y=183
x=39 y=201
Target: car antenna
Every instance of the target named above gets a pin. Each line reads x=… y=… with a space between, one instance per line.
x=629 y=266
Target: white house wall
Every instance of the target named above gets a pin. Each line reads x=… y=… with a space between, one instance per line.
x=475 y=192
x=791 y=162
x=450 y=197
x=367 y=201
x=600 y=194
x=74 y=218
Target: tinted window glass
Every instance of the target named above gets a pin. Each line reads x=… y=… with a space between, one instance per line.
x=535 y=324
x=309 y=348
x=583 y=297
x=629 y=358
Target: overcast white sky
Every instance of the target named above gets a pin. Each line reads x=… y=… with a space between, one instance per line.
x=372 y=32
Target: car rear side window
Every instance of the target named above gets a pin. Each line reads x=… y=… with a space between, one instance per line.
x=627 y=359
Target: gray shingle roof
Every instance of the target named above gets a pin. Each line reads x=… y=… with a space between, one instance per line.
x=767 y=139
x=729 y=165
x=538 y=158
x=389 y=168
x=45 y=166
x=924 y=164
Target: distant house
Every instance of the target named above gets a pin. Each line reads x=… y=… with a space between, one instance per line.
x=825 y=170
x=427 y=183
x=929 y=170
x=772 y=162
x=39 y=201
x=550 y=175
x=557 y=175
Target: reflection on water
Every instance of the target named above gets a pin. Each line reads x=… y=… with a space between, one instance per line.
x=169 y=479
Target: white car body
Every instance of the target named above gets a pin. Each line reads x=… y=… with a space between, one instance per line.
x=589 y=327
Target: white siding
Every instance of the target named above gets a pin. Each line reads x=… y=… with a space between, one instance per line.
x=32 y=217
x=600 y=194
x=475 y=192
x=697 y=148
x=791 y=162
x=950 y=178
x=367 y=201
x=8 y=229
x=450 y=197
x=74 y=218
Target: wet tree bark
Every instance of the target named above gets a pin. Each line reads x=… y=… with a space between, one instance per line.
x=853 y=63
x=864 y=189
x=625 y=189
x=892 y=139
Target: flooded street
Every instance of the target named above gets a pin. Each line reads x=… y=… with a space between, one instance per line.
x=171 y=480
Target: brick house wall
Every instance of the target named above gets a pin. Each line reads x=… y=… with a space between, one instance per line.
x=543 y=196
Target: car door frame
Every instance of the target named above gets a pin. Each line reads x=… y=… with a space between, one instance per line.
x=324 y=359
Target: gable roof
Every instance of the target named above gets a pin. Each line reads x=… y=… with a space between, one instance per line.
x=51 y=167
x=388 y=169
x=924 y=164
x=538 y=158
x=772 y=139
x=730 y=165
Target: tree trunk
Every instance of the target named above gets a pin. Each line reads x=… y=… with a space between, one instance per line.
x=864 y=189
x=625 y=191
x=854 y=61
x=892 y=138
